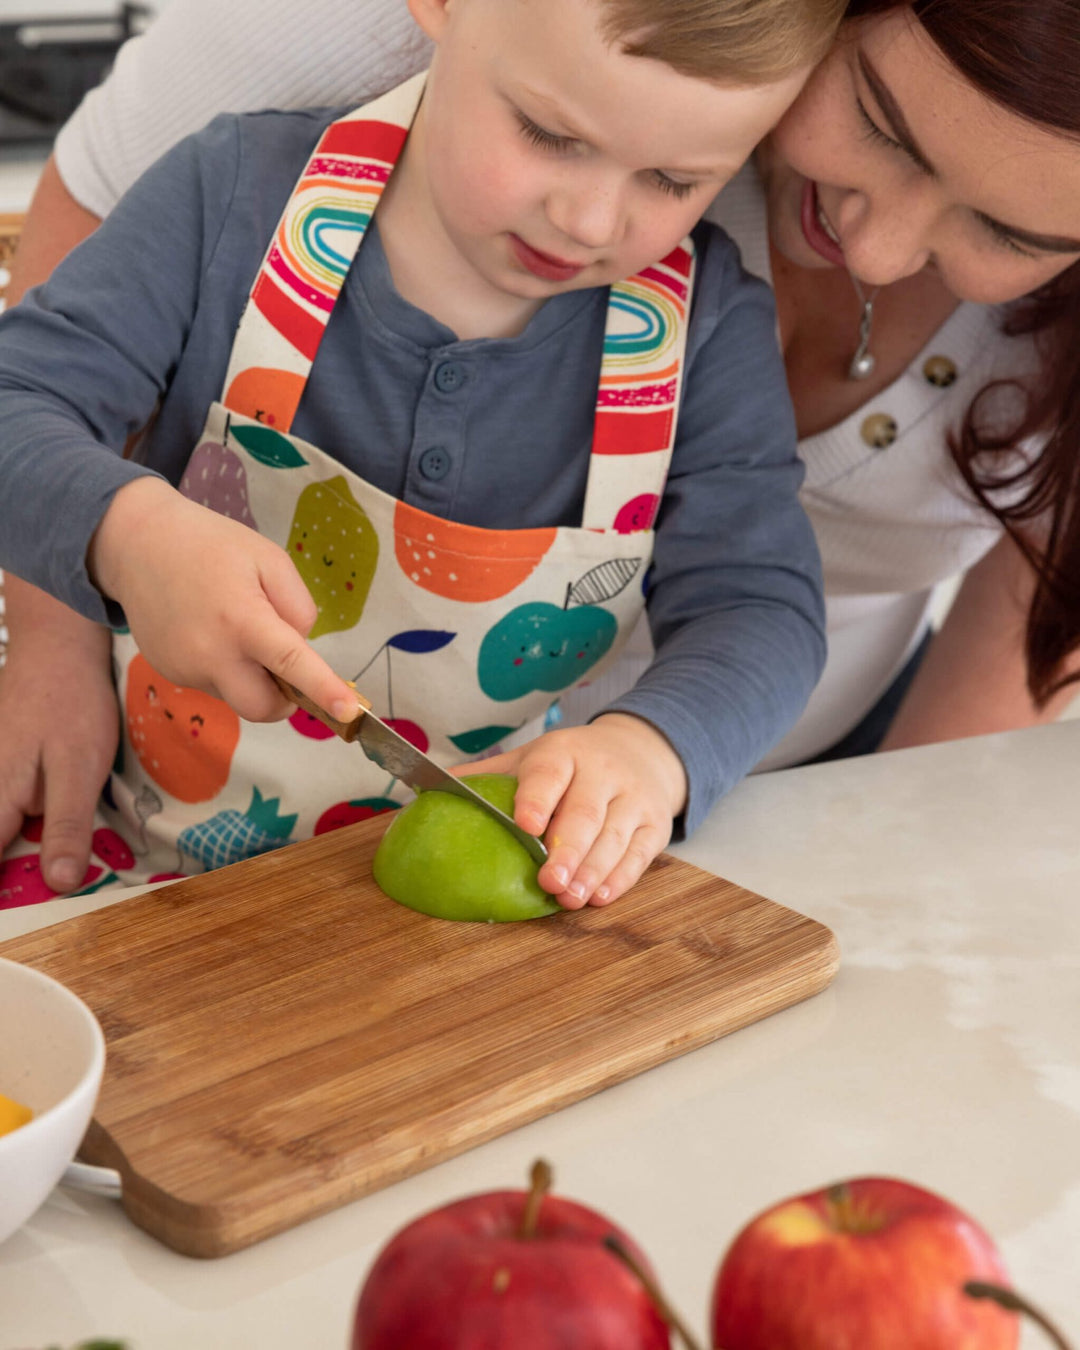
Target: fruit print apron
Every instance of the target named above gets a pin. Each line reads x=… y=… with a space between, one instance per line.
x=459 y=635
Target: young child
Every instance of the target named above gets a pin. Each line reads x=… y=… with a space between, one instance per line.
x=460 y=438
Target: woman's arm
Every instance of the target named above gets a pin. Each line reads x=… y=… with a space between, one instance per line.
x=973 y=679
x=54 y=224
x=56 y=750
x=60 y=720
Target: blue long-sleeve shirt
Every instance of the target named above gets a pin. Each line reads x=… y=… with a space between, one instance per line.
x=136 y=327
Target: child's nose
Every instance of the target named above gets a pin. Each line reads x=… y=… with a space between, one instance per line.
x=588 y=213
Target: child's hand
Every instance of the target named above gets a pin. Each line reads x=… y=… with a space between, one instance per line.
x=211 y=603
x=60 y=726
x=604 y=794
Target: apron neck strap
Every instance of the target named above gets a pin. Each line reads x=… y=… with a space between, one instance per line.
x=313 y=247
x=637 y=403
x=304 y=269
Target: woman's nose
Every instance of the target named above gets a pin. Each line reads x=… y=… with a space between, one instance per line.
x=588 y=212
x=885 y=236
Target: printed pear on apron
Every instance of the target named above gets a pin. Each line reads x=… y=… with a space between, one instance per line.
x=460 y=635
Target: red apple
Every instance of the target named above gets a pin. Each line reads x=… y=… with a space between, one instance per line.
x=874 y=1263
x=507 y=1270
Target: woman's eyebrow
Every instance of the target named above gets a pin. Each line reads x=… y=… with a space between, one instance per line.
x=1049 y=243
x=892 y=110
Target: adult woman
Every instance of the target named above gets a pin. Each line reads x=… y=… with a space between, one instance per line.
x=921 y=180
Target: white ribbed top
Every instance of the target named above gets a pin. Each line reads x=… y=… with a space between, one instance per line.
x=202 y=57
x=891 y=523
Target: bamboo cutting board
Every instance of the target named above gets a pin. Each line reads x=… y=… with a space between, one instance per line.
x=282 y=1038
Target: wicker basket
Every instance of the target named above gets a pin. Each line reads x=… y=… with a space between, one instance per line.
x=10 y=230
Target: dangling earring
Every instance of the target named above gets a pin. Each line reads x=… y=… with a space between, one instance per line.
x=862 y=363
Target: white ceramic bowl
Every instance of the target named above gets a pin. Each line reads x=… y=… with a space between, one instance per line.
x=52 y=1056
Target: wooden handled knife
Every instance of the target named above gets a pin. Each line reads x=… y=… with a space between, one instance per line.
x=399 y=757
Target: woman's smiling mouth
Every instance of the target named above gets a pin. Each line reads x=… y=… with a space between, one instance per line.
x=817 y=228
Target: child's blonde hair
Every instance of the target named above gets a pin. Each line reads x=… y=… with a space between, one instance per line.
x=729 y=41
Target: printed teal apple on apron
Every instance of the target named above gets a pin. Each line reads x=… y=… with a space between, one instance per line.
x=459 y=635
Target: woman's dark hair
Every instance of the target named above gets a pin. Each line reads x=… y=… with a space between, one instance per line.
x=1025 y=56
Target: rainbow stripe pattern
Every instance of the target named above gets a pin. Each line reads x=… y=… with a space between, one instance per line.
x=637 y=402
x=309 y=257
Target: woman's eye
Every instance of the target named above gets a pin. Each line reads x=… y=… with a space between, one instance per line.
x=1006 y=240
x=873 y=131
x=546 y=140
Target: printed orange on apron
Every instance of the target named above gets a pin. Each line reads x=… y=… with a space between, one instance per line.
x=459 y=635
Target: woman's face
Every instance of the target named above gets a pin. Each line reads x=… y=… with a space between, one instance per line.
x=890 y=162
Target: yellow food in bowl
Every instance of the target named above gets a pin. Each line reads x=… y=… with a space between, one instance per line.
x=12 y=1114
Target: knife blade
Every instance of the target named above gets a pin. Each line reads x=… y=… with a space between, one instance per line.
x=391 y=751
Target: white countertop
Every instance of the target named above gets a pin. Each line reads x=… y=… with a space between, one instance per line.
x=947 y=1052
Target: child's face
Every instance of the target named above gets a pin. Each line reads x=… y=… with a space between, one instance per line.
x=553 y=162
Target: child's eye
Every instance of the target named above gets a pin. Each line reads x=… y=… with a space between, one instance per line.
x=546 y=140
x=671 y=185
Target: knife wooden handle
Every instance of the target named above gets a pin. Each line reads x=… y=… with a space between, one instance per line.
x=348 y=731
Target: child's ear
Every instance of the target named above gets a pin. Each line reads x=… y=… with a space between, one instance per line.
x=431 y=16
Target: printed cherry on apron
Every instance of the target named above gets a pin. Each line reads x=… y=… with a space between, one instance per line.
x=459 y=635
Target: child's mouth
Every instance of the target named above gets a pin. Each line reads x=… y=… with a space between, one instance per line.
x=543 y=265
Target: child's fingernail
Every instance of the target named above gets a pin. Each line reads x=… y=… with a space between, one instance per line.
x=577 y=890
x=561 y=876
x=345 y=709
x=64 y=874
x=601 y=893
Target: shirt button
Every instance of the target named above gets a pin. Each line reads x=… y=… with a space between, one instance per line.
x=939 y=370
x=879 y=430
x=435 y=463
x=449 y=377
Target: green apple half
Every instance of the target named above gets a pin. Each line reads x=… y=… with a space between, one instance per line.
x=447 y=857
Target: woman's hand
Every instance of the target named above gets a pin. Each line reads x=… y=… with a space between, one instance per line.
x=211 y=603
x=60 y=725
x=605 y=796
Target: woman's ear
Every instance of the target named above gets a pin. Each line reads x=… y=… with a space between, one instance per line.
x=431 y=16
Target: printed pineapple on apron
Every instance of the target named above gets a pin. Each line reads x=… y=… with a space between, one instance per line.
x=459 y=635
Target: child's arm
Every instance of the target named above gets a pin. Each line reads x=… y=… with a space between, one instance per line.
x=735 y=607
x=604 y=795
x=212 y=604
x=84 y=362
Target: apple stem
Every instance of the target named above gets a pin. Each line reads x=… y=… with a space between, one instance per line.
x=540 y=1179
x=663 y=1307
x=1012 y=1302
